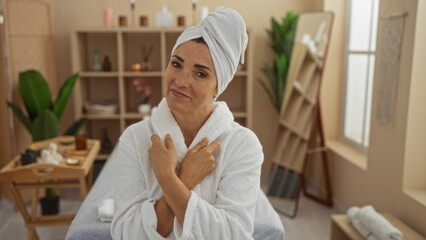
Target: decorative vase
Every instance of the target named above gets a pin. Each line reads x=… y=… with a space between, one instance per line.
x=144 y=108
x=49 y=206
x=106 y=145
x=146 y=66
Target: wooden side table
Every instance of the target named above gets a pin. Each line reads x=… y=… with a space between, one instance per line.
x=342 y=229
x=42 y=175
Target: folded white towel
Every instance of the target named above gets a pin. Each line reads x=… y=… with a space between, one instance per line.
x=372 y=225
x=365 y=232
x=106 y=210
x=378 y=224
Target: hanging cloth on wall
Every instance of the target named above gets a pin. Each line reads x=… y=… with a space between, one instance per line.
x=391 y=30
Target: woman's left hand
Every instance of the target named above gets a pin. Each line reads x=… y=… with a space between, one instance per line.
x=163 y=158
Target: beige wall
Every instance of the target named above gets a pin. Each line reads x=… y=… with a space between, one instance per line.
x=381 y=184
x=415 y=150
x=76 y=14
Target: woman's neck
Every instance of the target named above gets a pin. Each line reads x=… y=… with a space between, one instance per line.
x=190 y=124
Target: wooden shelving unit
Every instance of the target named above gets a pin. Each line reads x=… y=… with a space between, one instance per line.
x=296 y=116
x=123 y=47
x=297 y=125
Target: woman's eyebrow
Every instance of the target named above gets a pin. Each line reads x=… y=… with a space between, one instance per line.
x=202 y=66
x=179 y=58
x=195 y=65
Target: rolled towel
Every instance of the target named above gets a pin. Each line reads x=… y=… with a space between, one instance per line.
x=377 y=224
x=365 y=232
x=106 y=210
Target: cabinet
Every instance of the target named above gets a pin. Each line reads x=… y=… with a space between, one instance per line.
x=124 y=47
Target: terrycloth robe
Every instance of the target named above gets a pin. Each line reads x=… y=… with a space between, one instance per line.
x=222 y=206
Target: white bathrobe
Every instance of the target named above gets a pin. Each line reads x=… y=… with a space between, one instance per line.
x=222 y=206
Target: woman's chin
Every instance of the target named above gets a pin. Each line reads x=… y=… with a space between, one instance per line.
x=177 y=103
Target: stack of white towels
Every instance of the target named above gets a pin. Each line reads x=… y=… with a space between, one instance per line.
x=106 y=210
x=372 y=225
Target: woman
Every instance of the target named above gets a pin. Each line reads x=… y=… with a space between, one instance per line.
x=190 y=171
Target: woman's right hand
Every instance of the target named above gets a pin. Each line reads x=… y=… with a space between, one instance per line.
x=198 y=163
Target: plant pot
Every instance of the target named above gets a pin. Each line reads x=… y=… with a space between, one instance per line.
x=144 y=109
x=49 y=206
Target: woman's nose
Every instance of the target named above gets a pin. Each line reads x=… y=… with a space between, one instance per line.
x=183 y=79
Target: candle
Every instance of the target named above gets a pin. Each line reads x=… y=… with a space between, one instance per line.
x=108 y=17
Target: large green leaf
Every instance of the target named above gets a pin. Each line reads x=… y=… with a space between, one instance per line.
x=281 y=36
x=20 y=115
x=64 y=95
x=76 y=127
x=272 y=79
x=34 y=92
x=45 y=126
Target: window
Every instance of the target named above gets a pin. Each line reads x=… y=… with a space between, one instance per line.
x=359 y=74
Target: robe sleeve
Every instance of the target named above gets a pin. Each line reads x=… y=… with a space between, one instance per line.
x=134 y=215
x=232 y=214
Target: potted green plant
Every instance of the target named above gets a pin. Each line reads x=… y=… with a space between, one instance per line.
x=281 y=36
x=43 y=116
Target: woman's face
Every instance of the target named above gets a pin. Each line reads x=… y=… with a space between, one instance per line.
x=191 y=79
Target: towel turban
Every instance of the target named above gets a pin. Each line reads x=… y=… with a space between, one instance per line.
x=224 y=32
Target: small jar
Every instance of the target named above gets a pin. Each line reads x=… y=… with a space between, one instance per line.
x=122 y=21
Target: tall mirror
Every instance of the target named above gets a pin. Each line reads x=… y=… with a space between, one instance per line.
x=298 y=119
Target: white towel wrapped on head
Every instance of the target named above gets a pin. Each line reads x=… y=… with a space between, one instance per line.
x=106 y=210
x=225 y=34
x=372 y=225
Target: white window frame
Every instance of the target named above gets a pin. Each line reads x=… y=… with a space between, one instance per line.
x=350 y=142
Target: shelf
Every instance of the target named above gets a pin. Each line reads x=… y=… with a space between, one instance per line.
x=241 y=73
x=286 y=165
x=297 y=88
x=291 y=129
x=234 y=95
x=98 y=74
x=102 y=116
x=151 y=29
x=134 y=116
x=124 y=47
x=143 y=74
x=239 y=114
x=102 y=157
x=315 y=58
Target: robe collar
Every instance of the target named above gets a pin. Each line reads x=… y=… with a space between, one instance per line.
x=164 y=123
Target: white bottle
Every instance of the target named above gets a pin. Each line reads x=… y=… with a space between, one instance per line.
x=164 y=18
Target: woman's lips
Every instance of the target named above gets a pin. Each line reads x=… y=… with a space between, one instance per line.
x=178 y=94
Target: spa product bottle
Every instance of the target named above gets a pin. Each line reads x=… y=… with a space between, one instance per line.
x=164 y=18
x=106 y=64
x=106 y=145
x=96 y=67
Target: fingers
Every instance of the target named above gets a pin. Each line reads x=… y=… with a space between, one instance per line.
x=169 y=142
x=213 y=146
x=202 y=144
x=155 y=139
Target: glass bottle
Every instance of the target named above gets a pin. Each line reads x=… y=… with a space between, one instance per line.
x=96 y=67
x=106 y=64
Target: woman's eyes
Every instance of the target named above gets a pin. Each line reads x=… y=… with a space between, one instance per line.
x=175 y=64
x=199 y=74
